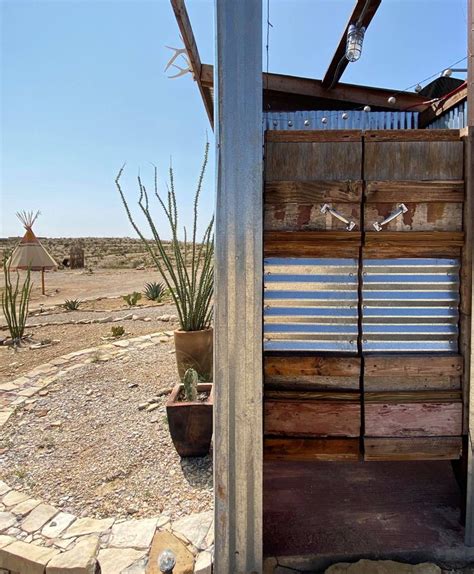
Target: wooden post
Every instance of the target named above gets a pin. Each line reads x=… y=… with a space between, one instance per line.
x=238 y=416
x=467 y=304
x=42 y=281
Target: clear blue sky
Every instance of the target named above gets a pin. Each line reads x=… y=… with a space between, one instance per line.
x=84 y=89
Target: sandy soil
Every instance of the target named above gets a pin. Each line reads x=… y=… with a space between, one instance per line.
x=67 y=284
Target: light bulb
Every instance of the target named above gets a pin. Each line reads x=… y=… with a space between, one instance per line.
x=355 y=39
x=367 y=108
x=324 y=120
x=418 y=88
x=345 y=116
x=392 y=100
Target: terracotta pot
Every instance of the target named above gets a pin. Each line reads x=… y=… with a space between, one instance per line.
x=194 y=350
x=191 y=423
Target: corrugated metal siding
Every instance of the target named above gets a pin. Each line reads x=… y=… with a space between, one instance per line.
x=356 y=120
x=455 y=118
x=410 y=305
x=310 y=304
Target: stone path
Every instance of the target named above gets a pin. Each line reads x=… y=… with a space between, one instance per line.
x=38 y=538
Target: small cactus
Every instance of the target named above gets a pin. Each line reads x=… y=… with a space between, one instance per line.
x=190 y=382
x=117 y=331
x=72 y=304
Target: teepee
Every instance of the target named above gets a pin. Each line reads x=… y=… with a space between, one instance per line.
x=29 y=253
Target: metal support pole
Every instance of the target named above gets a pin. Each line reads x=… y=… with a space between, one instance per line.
x=468 y=260
x=238 y=434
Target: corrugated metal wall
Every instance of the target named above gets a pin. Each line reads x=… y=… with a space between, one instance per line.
x=455 y=118
x=356 y=120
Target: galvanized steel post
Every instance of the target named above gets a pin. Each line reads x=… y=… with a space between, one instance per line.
x=238 y=441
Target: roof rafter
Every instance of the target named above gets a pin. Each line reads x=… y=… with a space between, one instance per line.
x=363 y=95
x=182 y=18
x=363 y=12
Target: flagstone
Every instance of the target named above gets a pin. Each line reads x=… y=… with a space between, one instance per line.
x=81 y=559
x=114 y=560
x=28 y=558
x=38 y=517
x=4 y=416
x=133 y=533
x=195 y=528
x=4 y=488
x=26 y=506
x=58 y=524
x=14 y=497
x=7 y=519
x=84 y=526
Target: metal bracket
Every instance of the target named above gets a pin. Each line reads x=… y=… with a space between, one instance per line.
x=326 y=208
x=401 y=209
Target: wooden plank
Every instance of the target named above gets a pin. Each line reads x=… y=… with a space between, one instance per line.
x=299 y=217
x=311 y=243
x=309 y=366
x=316 y=373
x=335 y=396
x=377 y=251
x=313 y=160
x=413 y=160
x=312 y=192
x=419 y=217
x=308 y=449
x=402 y=384
x=312 y=136
x=286 y=86
x=413 y=365
x=431 y=448
x=412 y=397
x=416 y=239
x=311 y=418
x=411 y=135
x=184 y=24
x=414 y=191
x=413 y=419
x=362 y=13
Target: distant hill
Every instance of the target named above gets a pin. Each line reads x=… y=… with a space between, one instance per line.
x=100 y=252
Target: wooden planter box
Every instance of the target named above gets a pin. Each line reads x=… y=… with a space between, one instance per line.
x=191 y=423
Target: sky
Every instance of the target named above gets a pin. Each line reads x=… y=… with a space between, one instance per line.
x=83 y=90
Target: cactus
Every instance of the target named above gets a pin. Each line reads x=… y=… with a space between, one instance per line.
x=15 y=314
x=117 y=331
x=190 y=382
x=132 y=299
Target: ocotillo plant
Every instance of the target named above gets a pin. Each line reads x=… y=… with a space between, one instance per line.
x=15 y=302
x=189 y=270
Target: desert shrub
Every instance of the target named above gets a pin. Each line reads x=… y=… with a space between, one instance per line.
x=154 y=291
x=15 y=302
x=132 y=299
x=117 y=331
x=72 y=304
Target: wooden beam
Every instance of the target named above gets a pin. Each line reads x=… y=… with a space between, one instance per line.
x=182 y=18
x=467 y=303
x=438 y=108
x=361 y=95
x=363 y=13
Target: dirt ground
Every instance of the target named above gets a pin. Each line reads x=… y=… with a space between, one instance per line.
x=101 y=285
x=79 y=284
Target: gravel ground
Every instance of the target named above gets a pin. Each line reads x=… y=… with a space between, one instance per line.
x=13 y=363
x=86 y=447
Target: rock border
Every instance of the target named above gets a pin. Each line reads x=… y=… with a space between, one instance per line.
x=38 y=538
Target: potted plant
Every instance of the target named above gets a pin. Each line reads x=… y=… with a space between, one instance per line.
x=187 y=267
x=189 y=410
